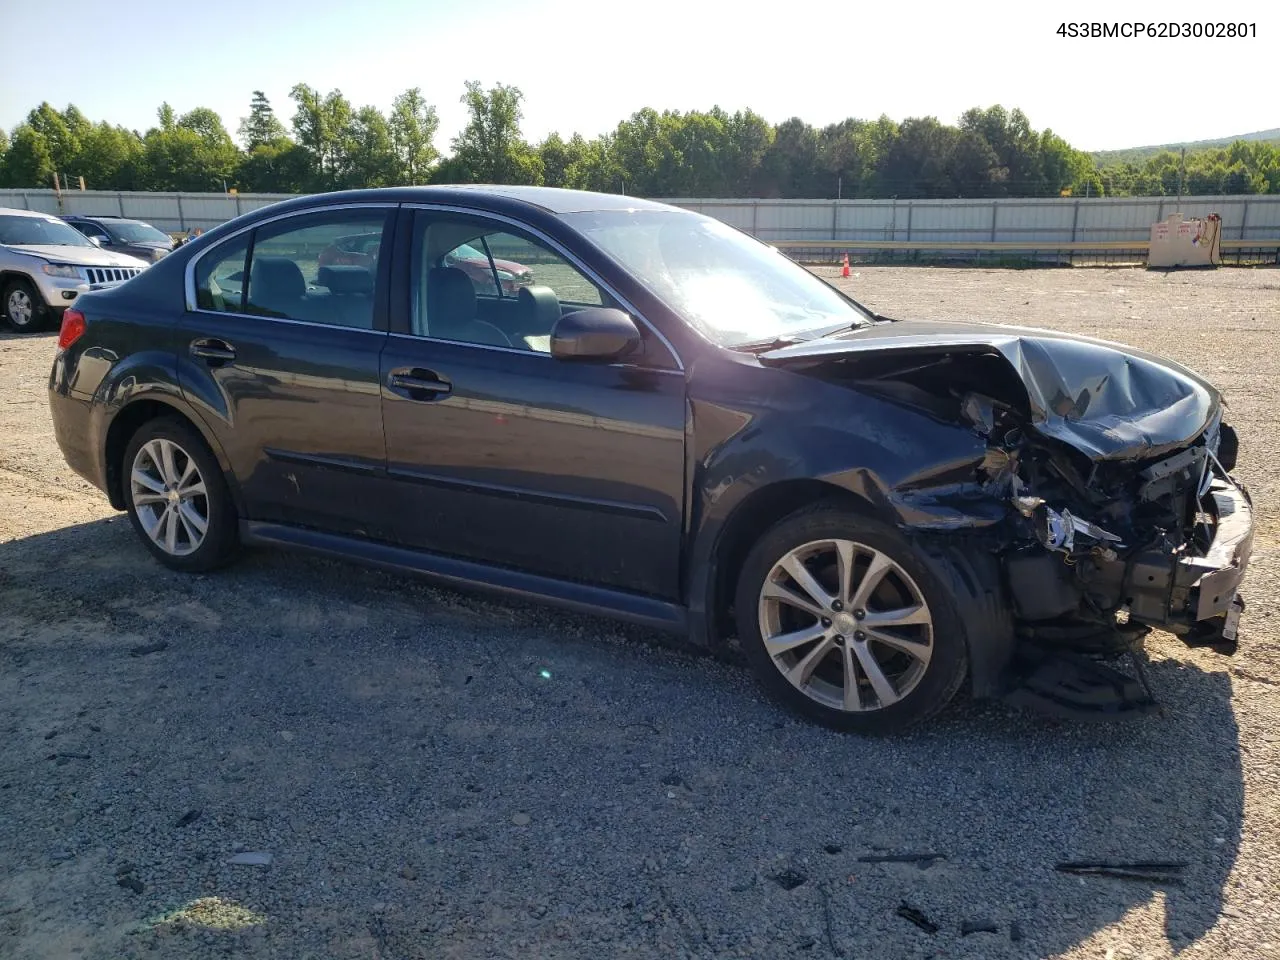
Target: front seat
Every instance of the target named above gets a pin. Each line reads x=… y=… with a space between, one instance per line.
x=451 y=310
x=277 y=287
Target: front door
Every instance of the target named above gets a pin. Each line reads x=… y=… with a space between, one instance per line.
x=499 y=453
x=282 y=354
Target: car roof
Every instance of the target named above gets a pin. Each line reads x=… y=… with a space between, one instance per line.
x=15 y=212
x=95 y=217
x=560 y=200
x=482 y=196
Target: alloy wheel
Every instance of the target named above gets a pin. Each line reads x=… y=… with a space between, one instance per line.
x=846 y=625
x=19 y=307
x=170 y=497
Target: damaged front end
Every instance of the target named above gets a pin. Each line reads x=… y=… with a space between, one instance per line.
x=1098 y=558
x=1105 y=492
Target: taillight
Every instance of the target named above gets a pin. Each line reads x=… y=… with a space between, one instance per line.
x=72 y=327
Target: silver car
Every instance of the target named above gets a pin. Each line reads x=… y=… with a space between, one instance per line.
x=46 y=263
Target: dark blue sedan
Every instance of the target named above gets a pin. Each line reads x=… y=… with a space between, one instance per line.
x=670 y=422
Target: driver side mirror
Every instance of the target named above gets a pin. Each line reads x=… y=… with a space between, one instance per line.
x=595 y=333
x=97 y=240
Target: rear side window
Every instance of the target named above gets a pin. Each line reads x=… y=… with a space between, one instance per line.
x=317 y=268
x=321 y=268
x=220 y=277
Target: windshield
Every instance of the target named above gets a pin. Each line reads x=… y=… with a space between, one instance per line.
x=733 y=288
x=34 y=231
x=138 y=233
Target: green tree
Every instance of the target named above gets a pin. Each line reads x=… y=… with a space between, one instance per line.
x=918 y=164
x=975 y=168
x=320 y=126
x=558 y=158
x=111 y=158
x=28 y=162
x=490 y=148
x=261 y=126
x=61 y=139
x=789 y=166
x=193 y=152
x=413 y=125
x=369 y=156
x=280 y=166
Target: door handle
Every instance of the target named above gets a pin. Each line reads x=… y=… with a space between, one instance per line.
x=213 y=351
x=419 y=382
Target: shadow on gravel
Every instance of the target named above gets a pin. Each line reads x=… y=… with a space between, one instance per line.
x=438 y=776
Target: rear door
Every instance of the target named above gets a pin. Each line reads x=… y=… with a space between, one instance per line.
x=500 y=453
x=281 y=352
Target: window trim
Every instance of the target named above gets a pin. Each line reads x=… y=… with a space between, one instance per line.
x=189 y=271
x=557 y=248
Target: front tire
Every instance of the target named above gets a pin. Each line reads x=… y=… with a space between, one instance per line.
x=844 y=622
x=22 y=307
x=177 y=497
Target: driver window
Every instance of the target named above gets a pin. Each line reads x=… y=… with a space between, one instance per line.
x=475 y=284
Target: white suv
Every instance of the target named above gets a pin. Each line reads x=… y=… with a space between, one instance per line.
x=46 y=263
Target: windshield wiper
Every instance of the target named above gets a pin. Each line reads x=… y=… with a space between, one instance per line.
x=774 y=343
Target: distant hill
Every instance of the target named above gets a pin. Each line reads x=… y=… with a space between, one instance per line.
x=1138 y=154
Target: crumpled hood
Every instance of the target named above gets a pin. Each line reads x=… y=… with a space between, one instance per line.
x=80 y=256
x=1107 y=400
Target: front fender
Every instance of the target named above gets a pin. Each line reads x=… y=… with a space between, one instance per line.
x=903 y=466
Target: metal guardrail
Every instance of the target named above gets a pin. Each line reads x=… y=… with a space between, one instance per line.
x=1045 y=252
x=1079 y=246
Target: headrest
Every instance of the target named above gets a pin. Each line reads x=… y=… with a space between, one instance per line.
x=346 y=279
x=451 y=298
x=539 y=309
x=274 y=278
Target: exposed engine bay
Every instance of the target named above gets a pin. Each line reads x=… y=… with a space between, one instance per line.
x=1105 y=490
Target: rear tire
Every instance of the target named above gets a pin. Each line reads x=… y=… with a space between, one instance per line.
x=845 y=623
x=177 y=497
x=22 y=307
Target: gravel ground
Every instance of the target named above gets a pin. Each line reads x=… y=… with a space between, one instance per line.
x=434 y=775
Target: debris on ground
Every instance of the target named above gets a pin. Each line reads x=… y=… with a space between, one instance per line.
x=1158 y=871
x=130 y=882
x=252 y=858
x=789 y=879
x=146 y=648
x=924 y=860
x=908 y=912
x=978 y=926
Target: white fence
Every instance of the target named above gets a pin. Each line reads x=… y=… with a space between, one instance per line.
x=1035 y=222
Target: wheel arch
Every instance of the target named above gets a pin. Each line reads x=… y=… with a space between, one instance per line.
x=744 y=525
x=130 y=419
x=962 y=565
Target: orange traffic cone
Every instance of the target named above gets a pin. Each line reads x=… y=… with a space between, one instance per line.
x=844 y=268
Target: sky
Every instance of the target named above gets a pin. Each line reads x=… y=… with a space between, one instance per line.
x=585 y=66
